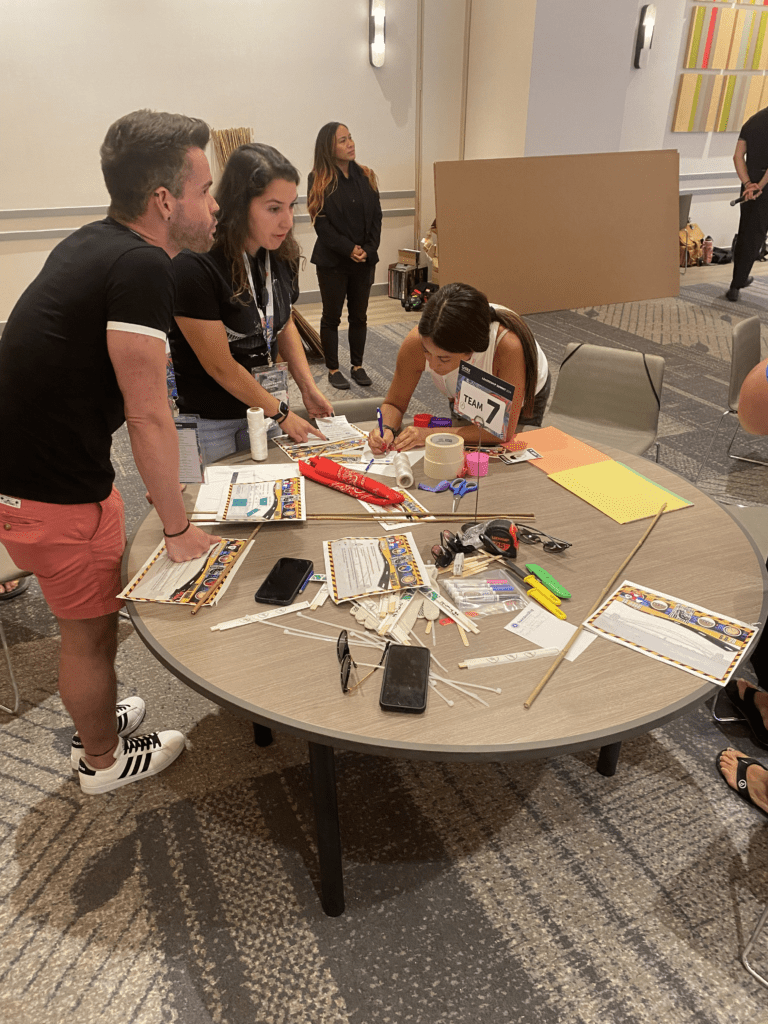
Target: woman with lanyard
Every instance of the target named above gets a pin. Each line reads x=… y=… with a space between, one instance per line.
x=343 y=202
x=233 y=310
x=458 y=323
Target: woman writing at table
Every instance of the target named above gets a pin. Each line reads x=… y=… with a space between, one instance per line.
x=458 y=324
x=233 y=309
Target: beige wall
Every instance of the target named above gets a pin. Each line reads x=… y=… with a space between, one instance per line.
x=283 y=69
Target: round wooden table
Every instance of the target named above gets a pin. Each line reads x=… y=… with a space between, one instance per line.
x=608 y=694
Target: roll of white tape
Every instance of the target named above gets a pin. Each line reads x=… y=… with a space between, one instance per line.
x=443 y=456
x=403 y=471
x=257 y=433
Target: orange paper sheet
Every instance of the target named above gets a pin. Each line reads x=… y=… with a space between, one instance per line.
x=559 y=450
x=618 y=491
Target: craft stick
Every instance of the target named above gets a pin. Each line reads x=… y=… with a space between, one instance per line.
x=428 y=630
x=214 y=590
x=594 y=607
x=463 y=635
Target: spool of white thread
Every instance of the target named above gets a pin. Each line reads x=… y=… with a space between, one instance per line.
x=257 y=432
x=403 y=471
x=443 y=456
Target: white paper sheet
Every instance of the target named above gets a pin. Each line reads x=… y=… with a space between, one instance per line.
x=540 y=627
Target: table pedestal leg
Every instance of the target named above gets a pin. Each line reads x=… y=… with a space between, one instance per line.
x=262 y=735
x=327 y=821
x=609 y=759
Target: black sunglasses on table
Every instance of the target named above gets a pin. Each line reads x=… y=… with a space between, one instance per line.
x=348 y=666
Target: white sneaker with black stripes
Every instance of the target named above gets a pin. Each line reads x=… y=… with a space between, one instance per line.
x=130 y=714
x=136 y=757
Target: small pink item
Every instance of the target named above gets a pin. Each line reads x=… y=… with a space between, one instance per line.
x=477 y=463
x=421 y=419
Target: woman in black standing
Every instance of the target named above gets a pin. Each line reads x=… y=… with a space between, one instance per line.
x=343 y=202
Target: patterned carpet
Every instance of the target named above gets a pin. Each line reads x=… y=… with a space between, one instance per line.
x=479 y=894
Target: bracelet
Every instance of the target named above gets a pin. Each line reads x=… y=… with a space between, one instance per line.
x=386 y=426
x=180 y=533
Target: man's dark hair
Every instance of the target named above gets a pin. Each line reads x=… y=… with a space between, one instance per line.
x=144 y=151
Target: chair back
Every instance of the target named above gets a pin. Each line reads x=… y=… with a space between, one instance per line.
x=608 y=396
x=357 y=410
x=745 y=354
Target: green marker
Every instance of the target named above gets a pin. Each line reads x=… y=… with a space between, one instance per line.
x=549 y=581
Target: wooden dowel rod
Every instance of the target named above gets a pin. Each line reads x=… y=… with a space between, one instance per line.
x=214 y=590
x=593 y=609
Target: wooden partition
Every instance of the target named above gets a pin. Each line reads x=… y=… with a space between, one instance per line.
x=561 y=232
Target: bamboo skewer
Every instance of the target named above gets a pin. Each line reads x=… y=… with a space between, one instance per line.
x=214 y=590
x=593 y=609
x=389 y=517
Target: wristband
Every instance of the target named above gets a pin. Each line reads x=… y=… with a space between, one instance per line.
x=386 y=426
x=180 y=533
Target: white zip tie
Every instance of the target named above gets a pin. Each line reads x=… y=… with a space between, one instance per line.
x=442 y=696
x=474 y=686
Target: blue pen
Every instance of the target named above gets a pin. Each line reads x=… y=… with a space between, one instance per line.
x=369 y=465
x=304 y=585
x=381 y=423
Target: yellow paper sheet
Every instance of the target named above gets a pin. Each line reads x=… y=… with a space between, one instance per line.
x=618 y=491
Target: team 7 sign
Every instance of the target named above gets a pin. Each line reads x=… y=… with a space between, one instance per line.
x=480 y=395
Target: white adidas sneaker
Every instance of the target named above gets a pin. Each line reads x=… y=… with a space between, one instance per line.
x=136 y=758
x=130 y=714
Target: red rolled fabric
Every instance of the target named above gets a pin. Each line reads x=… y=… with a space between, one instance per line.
x=355 y=492
x=335 y=472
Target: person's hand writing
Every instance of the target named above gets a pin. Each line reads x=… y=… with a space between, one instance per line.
x=193 y=543
x=298 y=429
x=378 y=444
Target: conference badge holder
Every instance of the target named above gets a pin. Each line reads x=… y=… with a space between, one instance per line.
x=483 y=398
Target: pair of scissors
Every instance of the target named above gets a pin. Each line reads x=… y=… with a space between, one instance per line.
x=460 y=487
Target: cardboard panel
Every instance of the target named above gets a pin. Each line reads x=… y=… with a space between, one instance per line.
x=561 y=232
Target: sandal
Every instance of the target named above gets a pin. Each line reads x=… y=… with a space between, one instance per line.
x=741 y=788
x=18 y=590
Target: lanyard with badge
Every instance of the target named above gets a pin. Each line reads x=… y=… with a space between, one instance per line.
x=275 y=378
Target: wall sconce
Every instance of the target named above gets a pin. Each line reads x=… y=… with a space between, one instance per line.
x=376 y=33
x=645 y=35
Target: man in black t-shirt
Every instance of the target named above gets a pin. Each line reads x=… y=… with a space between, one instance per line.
x=83 y=352
x=751 y=162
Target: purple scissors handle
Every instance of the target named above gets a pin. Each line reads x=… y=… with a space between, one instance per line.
x=442 y=486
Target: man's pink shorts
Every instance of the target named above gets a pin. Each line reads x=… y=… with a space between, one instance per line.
x=73 y=550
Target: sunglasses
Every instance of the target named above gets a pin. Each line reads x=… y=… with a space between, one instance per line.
x=349 y=667
x=530 y=535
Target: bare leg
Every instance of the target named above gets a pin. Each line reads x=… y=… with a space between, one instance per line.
x=88 y=685
x=761 y=698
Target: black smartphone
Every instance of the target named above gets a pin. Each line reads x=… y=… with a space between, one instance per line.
x=406 y=678
x=286 y=578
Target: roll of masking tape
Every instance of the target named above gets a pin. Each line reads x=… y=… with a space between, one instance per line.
x=443 y=456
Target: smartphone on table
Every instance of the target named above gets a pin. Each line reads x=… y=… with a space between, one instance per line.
x=406 y=678
x=286 y=578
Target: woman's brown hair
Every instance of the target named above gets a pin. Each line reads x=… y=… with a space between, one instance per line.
x=249 y=172
x=325 y=171
x=458 y=319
